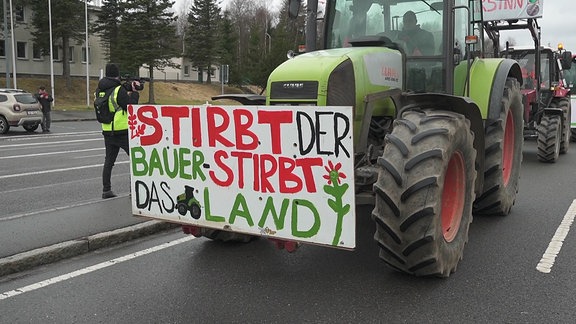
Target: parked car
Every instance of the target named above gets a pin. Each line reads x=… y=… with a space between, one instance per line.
x=19 y=108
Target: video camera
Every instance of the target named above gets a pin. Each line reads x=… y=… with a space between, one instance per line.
x=129 y=79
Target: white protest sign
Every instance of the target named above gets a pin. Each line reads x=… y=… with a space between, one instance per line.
x=512 y=9
x=278 y=171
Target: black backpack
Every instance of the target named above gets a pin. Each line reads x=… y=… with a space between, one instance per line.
x=103 y=113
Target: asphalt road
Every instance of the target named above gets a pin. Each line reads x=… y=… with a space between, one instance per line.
x=50 y=184
x=173 y=278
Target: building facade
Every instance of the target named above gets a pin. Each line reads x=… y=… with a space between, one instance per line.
x=20 y=56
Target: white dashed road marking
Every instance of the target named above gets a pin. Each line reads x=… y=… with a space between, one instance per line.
x=547 y=261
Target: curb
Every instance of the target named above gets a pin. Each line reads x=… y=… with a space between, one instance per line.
x=49 y=254
x=72 y=120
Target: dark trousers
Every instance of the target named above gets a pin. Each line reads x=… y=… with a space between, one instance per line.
x=113 y=145
x=46 y=119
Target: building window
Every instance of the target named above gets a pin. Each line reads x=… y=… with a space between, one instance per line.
x=84 y=54
x=19 y=13
x=71 y=54
x=21 y=50
x=186 y=70
x=56 y=53
x=36 y=52
x=2 y=49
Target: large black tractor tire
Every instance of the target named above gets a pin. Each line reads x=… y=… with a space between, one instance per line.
x=425 y=192
x=565 y=105
x=504 y=139
x=549 y=138
x=225 y=236
x=573 y=135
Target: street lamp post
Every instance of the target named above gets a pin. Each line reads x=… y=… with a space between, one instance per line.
x=87 y=56
x=266 y=35
x=5 y=24
x=51 y=51
x=12 y=45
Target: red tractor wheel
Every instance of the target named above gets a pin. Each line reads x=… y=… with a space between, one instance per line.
x=425 y=192
x=504 y=141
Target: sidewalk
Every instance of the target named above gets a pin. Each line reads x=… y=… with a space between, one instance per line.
x=72 y=115
x=41 y=238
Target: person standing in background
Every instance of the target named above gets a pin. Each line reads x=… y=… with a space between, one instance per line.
x=45 y=100
x=116 y=132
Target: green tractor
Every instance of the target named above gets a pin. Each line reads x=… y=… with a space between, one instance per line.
x=438 y=129
x=186 y=202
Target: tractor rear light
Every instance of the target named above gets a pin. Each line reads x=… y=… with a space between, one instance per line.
x=289 y=246
x=471 y=39
x=190 y=229
x=16 y=107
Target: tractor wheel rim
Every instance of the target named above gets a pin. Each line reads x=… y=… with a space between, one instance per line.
x=453 y=196
x=508 y=149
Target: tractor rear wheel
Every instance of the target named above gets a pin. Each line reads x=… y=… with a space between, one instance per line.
x=549 y=138
x=565 y=105
x=425 y=192
x=504 y=138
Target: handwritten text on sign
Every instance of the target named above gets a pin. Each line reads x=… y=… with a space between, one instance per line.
x=512 y=9
x=285 y=172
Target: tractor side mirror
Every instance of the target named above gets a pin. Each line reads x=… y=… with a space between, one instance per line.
x=293 y=8
x=566 y=60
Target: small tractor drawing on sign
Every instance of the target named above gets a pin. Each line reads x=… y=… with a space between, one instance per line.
x=187 y=202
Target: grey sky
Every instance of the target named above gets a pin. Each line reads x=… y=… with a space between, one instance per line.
x=558 y=24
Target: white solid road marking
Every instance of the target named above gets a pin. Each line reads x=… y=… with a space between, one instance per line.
x=56 y=170
x=547 y=261
x=21 y=145
x=98 y=266
x=50 y=153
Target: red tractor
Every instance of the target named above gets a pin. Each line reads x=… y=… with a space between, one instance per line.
x=547 y=98
x=546 y=94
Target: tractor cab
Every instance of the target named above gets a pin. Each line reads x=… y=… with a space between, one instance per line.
x=543 y=81
x=570 y=76
x=552 y=65
x=431 y=35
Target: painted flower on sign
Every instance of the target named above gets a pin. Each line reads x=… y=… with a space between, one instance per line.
x=334 y=175
x=336 y=189
x=135 y=129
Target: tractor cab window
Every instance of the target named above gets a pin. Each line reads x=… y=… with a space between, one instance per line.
x=545 y=69
x=570 y=77
x=526 y=61
x=415 y=26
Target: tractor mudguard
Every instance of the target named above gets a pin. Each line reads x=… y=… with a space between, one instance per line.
x=486 y=76
x=461 y=105
x=553 y=111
